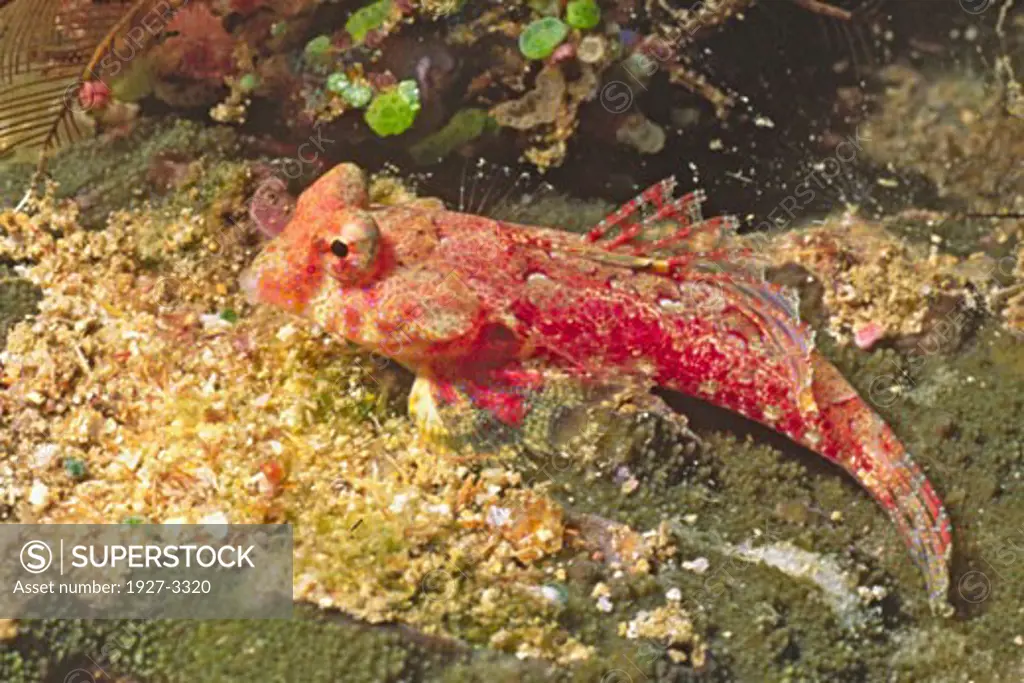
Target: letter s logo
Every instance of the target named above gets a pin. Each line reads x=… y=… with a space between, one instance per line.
x=36 y=557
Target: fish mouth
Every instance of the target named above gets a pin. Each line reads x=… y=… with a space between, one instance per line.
x=269 y=282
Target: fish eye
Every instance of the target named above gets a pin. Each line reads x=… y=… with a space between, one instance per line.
x=355 y=244
x=339 y=248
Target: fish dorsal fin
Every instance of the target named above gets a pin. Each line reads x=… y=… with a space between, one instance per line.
x=654 y=224
x=657 y=233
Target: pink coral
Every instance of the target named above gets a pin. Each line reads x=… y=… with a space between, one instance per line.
x=866 y=336
x=200 y=50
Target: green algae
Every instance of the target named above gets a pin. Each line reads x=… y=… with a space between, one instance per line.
x=583 y=14
x=18 y=299
x=248 y=82
x=318 y=49
x=393 y=112
x=337 y=82
x=464 y=126
x=368 y=18
x=314 y=647
x=540 y=37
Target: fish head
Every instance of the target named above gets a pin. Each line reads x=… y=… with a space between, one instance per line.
x=331 y=243
x=367 y=274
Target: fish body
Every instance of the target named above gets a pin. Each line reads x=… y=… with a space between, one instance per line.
x=489 y=314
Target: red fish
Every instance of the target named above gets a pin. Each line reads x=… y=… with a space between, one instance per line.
x=489 y=314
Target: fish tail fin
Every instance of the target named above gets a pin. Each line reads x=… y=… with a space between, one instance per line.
x=857 y=438
x=925 y=526
x=903 y=490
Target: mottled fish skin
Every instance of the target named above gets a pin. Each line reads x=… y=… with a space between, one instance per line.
x=488 y=313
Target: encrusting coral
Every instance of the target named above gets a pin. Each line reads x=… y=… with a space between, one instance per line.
x=877 y=286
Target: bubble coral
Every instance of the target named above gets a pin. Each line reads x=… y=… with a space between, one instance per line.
x=540 y=38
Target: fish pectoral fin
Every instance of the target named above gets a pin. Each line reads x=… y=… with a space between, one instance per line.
x=482 y=413
x=426 y=405
x=560 y=416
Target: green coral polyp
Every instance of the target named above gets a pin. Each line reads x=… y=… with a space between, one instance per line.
x=393 y=112
x=366 y=19
x=540 y=38
x=583 y=14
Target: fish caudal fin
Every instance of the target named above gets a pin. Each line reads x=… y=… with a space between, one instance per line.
x=902 y=489
x=925 y=525
x=857 y=438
